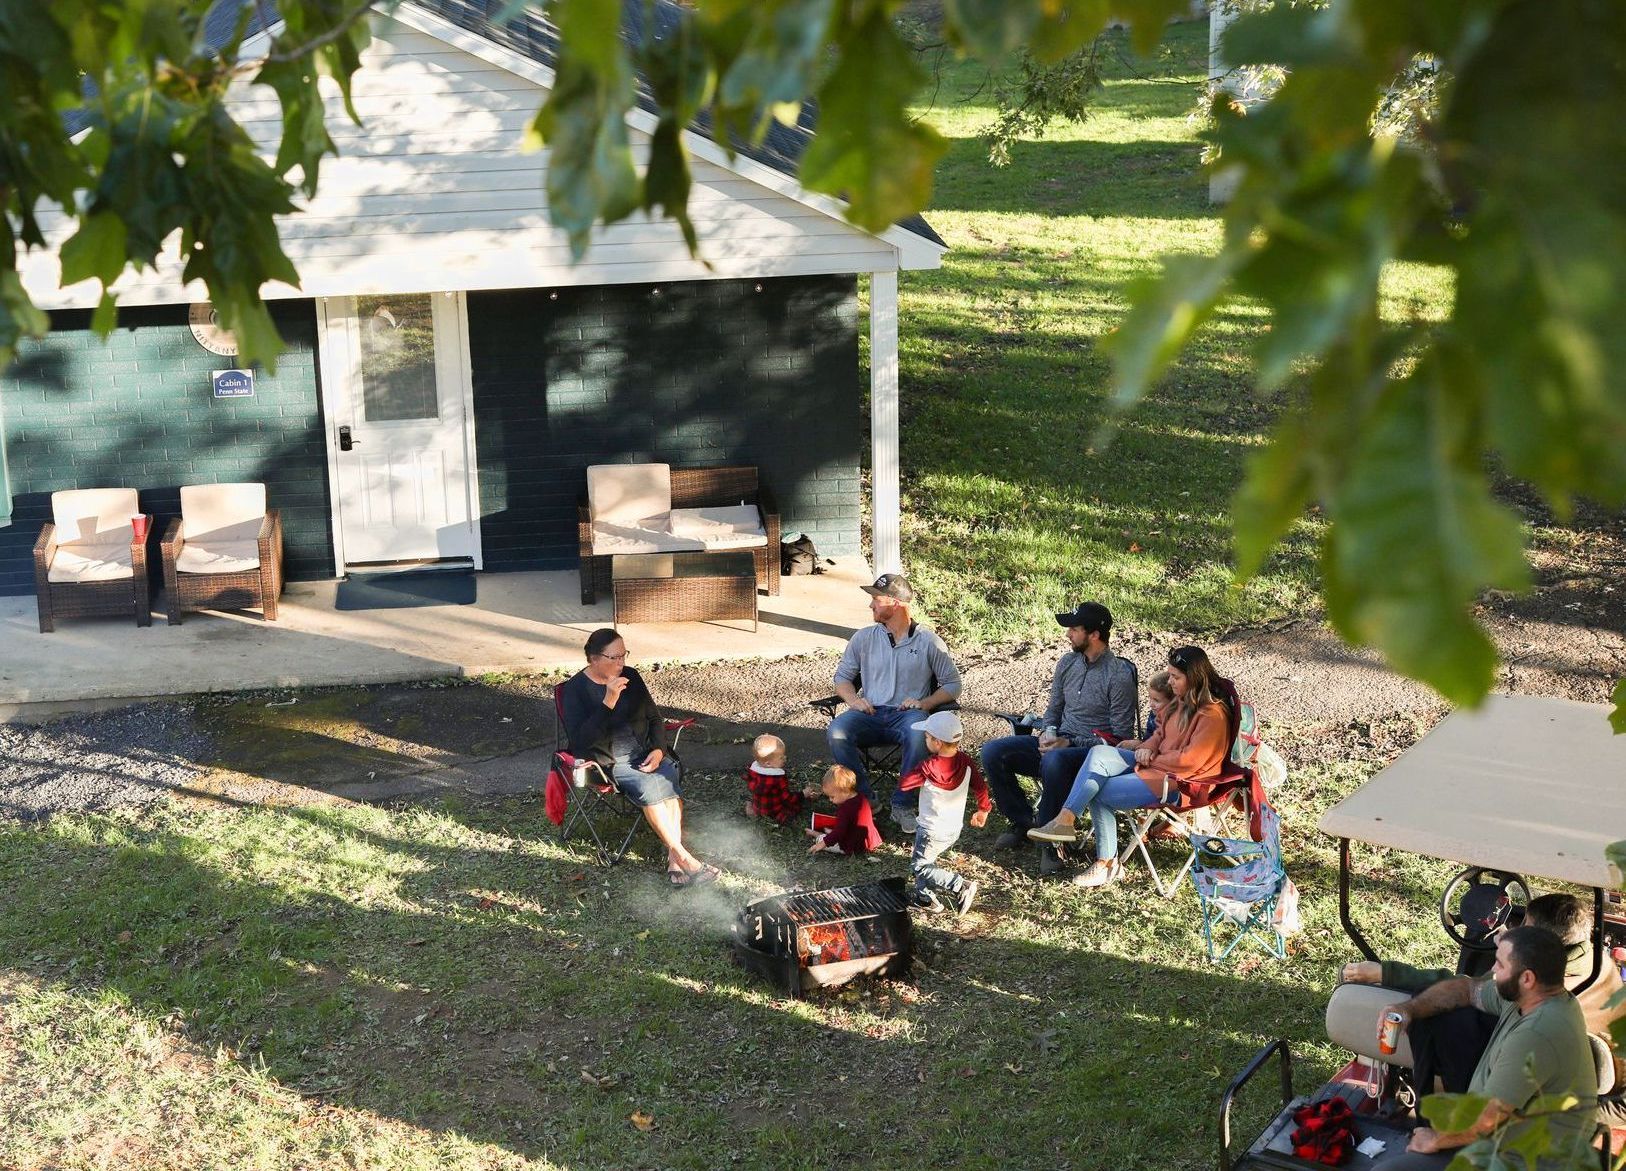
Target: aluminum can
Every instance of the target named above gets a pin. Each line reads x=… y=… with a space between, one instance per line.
x=1389 y=1033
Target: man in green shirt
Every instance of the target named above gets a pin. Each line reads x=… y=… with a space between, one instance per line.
x=1538 y=1049
x=1450 y=1045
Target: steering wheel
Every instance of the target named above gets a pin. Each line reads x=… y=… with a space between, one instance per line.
x=1479 y=902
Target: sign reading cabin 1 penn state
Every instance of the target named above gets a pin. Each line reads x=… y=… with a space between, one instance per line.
x=234 y=383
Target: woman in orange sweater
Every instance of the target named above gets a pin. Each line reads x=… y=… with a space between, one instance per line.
x=1190 y=744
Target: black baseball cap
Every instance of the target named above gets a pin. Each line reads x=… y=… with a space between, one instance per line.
x=891 y=585
x=1090 y=615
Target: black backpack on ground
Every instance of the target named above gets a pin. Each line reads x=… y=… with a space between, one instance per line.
x=798 y=558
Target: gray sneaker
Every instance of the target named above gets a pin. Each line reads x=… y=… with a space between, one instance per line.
x=967 y=896
x=905 y=818
x=1051 y=861
x=1012 y=838
x=925 y=900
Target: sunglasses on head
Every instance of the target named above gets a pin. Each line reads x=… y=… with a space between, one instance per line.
x=1182 y=657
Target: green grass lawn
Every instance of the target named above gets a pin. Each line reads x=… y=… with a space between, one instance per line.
x=1010 y=510
x=450 y=987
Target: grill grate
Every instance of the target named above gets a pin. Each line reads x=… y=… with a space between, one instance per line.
x=829 y=906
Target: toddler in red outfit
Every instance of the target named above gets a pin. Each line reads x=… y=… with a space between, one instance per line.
x=770 y=794
x=854 y=831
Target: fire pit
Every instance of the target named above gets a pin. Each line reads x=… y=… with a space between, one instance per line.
x=816 y=939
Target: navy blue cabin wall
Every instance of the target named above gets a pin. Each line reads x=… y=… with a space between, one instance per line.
x=760 y=372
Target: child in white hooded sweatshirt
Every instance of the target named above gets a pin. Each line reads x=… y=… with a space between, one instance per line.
x=945 y=779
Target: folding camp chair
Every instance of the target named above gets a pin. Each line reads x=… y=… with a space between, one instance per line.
x=580 y=795
x=1220 y=797
x=1241 y=881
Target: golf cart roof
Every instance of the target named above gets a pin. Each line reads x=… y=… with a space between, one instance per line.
x=1535 y=786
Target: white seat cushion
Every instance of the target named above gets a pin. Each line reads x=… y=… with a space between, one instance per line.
x=651 y=536
x=94 y=516
x=1352 y=1021
x=627 y=493
x=734 y=526
x=217 y=556
x=222 y=512
x=86 y=563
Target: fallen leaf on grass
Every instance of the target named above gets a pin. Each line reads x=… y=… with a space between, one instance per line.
x=1134 y=546
x=642 y=1120
x=124 y=937
x=486 y=904
x=966 y=1071
x=642 y=935
x=1013 y=1067
x=416 y=942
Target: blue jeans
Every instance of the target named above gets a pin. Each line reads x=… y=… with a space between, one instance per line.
x=649 y=788
x=854 y=730
x=1105 y=796
x=929 y=877
x=1005 y=759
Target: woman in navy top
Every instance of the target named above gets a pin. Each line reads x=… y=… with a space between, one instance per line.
x=611 y=718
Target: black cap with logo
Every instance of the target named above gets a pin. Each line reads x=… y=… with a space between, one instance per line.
x=1090 y=615
x=891 y=585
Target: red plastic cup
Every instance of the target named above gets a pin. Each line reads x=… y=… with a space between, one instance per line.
x=139 y=524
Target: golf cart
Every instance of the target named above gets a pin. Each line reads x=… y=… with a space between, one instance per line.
x=1524 y=788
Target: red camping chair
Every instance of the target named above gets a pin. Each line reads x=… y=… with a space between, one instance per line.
x=580 y=795
x=1235 y=786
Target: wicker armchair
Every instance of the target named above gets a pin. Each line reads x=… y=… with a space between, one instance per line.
x=224 y=552
x=723 y=488
x=88 y=561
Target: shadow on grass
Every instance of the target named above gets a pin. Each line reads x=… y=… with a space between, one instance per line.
x=460 y=976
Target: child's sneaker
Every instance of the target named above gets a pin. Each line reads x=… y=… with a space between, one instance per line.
x=967 y=896
x=905 y=818
x=925 y=900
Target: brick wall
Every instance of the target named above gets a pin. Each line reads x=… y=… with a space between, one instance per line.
x=705 y=372
x=137 y=412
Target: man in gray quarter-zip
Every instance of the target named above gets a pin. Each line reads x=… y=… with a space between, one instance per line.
x=889 y=674
x=1092 y=690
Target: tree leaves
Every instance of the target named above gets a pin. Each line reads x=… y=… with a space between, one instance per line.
x=1506 y=188
x=96 y=251
x=583 y=122
x=868 y=151
x=1414 y=524
x=1453 y=1113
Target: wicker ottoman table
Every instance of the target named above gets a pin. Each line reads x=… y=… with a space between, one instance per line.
x=684 y=587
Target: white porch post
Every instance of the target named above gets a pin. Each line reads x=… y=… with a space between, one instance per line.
x=885 y=509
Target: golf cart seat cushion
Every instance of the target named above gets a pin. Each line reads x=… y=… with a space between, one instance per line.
x=1603 y=1060
x=1352 y=1021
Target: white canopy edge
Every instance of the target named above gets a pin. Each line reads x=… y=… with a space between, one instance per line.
x=1536 y=786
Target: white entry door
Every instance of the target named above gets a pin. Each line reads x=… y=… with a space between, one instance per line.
x=397 y=381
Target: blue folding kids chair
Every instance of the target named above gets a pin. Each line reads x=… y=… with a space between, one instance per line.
x=1241 y=882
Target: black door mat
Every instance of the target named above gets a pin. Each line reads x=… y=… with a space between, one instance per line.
x=400 y=591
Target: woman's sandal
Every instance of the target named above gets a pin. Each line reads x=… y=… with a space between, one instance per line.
x=681 y=879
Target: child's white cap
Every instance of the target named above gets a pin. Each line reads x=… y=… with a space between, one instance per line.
x=944 y=726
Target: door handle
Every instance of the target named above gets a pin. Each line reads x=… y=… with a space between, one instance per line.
x=345 y=442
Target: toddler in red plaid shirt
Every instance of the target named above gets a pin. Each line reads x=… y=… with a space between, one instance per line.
x=769 y=788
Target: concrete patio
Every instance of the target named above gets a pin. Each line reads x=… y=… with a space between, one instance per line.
x=521 y=622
